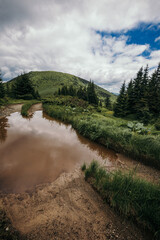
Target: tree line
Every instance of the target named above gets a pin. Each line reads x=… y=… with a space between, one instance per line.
x=86 y=93
x=141 y=97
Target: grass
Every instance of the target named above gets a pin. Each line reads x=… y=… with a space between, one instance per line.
x=26 y=107
x=103 y=128
x=8 y=101
x=7 y=232
x=132 y=197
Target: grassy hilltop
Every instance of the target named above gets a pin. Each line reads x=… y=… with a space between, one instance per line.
x=48 y=82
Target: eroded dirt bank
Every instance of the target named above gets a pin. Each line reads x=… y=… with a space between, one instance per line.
x=67 y=209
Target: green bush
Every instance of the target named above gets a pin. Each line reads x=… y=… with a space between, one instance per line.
x=83 y=168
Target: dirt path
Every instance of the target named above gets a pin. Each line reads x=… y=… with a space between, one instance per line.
x=67 y=209
x=5 y=111
x=35 y=107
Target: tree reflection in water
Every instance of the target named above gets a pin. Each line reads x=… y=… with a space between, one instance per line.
x=3 y=129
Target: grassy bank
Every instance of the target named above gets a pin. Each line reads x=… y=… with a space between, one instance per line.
x=100 y=126
x=26 y=107
x=132 y=197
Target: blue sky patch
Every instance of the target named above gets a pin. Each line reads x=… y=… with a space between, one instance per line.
x=143 y=34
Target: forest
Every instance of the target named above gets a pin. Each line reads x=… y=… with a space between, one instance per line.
x=141 y=98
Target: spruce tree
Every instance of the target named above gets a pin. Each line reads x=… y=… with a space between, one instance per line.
x=120 y=107
x=23 y=88
x=143 y=110
x=130 y=98
x=108 y=102
x=91 y=94
x=2 y=91
x=154 y=92
x=137 y=89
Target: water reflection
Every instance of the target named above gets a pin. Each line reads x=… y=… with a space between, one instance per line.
x=3 y=129
x=38 y=150
x=101 y=151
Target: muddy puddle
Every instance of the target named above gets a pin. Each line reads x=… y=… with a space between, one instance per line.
x=37 y=150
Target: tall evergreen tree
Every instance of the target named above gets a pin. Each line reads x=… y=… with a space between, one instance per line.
x=91 y=94
x=82 y=93
x=2 y=90
x=154 y=92
x=108 y=102
x=23 y=88
x=137 y=86
x=121 y=105
x=130 y=98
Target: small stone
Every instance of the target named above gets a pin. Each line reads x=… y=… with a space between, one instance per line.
x=7 y=228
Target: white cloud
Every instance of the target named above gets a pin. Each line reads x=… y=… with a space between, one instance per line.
x=157 y=39
x=61 y=35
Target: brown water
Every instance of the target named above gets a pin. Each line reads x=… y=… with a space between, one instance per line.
x=39 y=149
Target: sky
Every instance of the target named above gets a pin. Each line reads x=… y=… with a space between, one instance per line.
x=106 y=41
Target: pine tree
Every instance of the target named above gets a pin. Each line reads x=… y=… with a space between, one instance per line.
x=130 y=98
x=2 y=90
x=120 y=107
x=137 y=89
x=143 y=112
x=154 y=92
x=91 y=94
x=8 y=92
x=71 y=91
x=82 y=93
x=108 y=102
x=23 y=88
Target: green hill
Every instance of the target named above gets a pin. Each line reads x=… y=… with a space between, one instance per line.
x=48 y=82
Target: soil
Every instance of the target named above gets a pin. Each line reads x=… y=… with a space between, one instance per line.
x=69 y=208
x=5 y=111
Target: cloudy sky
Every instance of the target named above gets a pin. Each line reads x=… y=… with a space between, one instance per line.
x=105 y=40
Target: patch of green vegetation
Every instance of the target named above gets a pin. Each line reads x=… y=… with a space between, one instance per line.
x=107 y=130
x=27 y=106
x=7 y=232
x=132 y=197
x=83 y=168
x=48 y=82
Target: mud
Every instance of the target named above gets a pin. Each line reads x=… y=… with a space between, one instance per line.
x=68 y=208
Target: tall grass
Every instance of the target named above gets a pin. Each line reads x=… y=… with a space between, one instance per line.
x=27 y=106
x=130 y=196
x=109 y=132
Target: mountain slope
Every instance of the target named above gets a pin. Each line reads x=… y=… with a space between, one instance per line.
x=48 y=82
